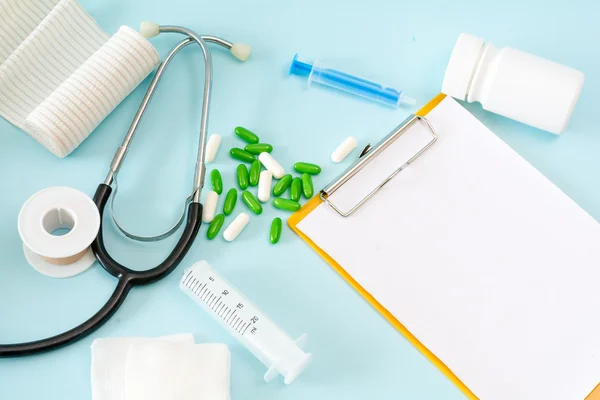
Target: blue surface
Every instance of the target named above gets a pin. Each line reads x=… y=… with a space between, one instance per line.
x=357 y=354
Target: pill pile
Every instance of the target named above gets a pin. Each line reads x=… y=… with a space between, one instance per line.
x=258 y=169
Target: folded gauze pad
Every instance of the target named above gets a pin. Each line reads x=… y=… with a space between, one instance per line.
x=160 y=370
x=60 y=74
x=109 y=357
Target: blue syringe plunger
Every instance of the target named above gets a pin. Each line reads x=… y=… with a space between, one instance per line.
x=318 y=73
x=300 y=68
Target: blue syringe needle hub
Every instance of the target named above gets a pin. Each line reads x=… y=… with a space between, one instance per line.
x=318 y=73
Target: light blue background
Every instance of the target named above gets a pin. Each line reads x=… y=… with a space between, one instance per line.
x=357 y=354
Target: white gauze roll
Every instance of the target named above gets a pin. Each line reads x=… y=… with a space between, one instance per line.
x=83 y=100
x=67 y=75
x=19 y=18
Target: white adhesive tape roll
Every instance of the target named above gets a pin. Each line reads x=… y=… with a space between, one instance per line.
x=46 y=212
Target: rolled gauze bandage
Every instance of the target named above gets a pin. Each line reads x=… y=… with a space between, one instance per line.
x=65 y=75
x=83 y=100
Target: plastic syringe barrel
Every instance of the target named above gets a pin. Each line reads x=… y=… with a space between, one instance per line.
x=319 y=73
x=245 y=321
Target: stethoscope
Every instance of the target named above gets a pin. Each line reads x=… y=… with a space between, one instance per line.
x=128 y=278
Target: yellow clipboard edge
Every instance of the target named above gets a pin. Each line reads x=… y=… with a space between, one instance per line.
x=295 y=219
x=595 y=394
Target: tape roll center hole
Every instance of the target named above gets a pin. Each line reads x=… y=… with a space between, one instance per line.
x=58 y=221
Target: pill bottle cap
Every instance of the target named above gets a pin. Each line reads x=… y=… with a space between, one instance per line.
x=462 y=65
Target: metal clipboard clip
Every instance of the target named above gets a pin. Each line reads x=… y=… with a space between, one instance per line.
x=368 y=155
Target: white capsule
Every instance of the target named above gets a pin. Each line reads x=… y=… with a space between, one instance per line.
x=236 y=227
x=212 y=147
x=210 y=206
x=264 y=186
x=272 y=165
x=344 y=149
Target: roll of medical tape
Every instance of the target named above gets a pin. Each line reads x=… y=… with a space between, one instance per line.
x=53 y=209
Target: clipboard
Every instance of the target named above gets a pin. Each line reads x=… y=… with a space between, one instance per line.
x=324 y=198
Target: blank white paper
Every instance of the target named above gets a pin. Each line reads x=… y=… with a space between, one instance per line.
x=482 y=258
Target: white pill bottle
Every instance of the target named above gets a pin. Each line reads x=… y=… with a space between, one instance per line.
x=512 y=83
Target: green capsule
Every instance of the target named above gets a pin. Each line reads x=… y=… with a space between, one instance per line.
x=258 y=148
x=246 y=135
x=286 y=204
x=307 y=168
x=230 y=201
x=281 y=186
x=252 y=202
x=307 y=186
x=242 y=176
x=216 y=181
x=215 y=226
x=276 y=227
x=296 y=189
x=242 y=155
x=254 y=173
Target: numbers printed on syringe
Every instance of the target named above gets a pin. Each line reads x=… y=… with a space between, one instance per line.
x=225 y=303
x=245 y=321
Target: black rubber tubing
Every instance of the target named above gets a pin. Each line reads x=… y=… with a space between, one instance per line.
x=127 y=279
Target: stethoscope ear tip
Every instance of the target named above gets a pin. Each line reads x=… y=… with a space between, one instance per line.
x=241 y=51
x=149 y=29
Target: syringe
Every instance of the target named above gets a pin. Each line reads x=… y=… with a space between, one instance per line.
x=272 y=346
x=319 y=73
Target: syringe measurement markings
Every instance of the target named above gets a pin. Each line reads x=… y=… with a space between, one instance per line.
x=205 y=295
x=186 y=277
x=191 y=282
x=199 y=289
x=196 y=286
x=231 y=316
x=247 y=326
x=201 y=293
x=238 y=324
x=223 y=311
x=215 y=303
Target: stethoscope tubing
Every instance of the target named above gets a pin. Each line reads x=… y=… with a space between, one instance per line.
x=126 y=277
